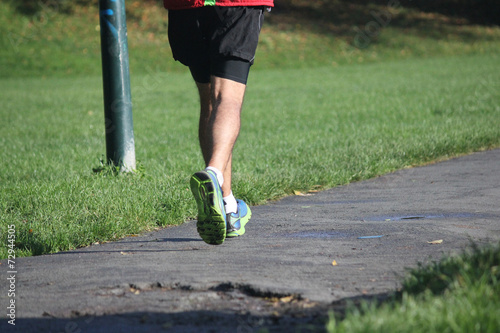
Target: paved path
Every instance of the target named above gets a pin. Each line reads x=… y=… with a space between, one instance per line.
x=280 y=274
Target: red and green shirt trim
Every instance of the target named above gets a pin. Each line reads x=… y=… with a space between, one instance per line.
x=187 y=4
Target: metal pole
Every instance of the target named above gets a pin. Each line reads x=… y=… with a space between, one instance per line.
x=120 y=146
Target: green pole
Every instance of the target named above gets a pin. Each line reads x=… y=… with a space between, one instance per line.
x=120 y=146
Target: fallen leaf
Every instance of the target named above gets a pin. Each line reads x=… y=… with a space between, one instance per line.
x=301 y=193
x=286 y=299
x=135 y=291
x=334 y=263
x=439 y=241
x=309 y=305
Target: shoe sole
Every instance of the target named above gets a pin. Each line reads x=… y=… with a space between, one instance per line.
x=211 y=223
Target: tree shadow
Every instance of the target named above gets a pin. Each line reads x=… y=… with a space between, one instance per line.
x=223 y=319
x=42 y=7
x=350 y=18
x=336 y=15
x=482 y=12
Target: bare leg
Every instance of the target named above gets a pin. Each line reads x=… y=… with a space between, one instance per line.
x=203 y=128
x=221 y=103
x=227 y=100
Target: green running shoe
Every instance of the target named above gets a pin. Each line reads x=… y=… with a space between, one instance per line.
x=207 y=192
x=236 y=221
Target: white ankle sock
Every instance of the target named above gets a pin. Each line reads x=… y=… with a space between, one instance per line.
x=230 y=204
x=220 y=177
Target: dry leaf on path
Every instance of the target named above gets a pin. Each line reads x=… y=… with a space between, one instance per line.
x=286 y=299
x=438 y=241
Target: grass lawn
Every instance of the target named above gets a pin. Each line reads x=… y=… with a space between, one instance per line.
x=457 y=295
x=301 y=128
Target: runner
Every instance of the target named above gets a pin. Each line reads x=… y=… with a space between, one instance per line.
x=217 y=40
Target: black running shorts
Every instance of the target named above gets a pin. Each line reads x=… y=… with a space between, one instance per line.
x=218 y=41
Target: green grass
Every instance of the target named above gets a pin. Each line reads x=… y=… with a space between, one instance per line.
x=297 y=33
x=458 y=294
x=305 y=127
x=52 y=43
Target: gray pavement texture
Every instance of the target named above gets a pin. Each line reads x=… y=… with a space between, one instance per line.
x=279 y=275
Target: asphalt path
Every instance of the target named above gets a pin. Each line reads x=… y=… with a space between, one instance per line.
x=300 y=257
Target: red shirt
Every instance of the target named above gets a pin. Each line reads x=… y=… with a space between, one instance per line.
x=186 y=4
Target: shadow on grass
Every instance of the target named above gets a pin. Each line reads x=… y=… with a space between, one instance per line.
x=423 y=18
x=326 y=14
x=33 y=244
x=322 y=15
